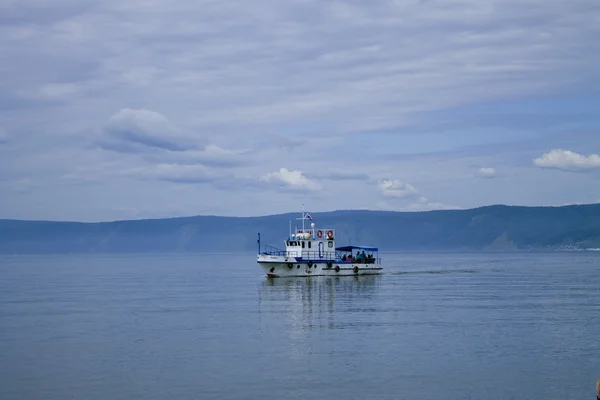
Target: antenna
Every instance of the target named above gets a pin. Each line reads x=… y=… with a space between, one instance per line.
x=302 y=218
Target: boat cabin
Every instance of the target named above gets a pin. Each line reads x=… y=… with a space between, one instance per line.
x=311 y=244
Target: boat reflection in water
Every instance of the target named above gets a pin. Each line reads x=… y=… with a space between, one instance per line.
x=316 y=303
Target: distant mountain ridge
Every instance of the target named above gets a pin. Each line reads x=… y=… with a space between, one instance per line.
x=494 y=228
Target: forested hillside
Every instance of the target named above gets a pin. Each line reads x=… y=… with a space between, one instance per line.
x=486 y=228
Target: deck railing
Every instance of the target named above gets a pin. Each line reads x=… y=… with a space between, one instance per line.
x=315 y=255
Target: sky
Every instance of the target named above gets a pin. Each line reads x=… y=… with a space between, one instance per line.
x=115 y=110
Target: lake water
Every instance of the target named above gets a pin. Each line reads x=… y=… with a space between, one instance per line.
x=442 y=326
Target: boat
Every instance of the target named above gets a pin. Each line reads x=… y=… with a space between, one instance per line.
x=312 y=252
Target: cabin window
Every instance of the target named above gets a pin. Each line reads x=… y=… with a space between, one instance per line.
x=302 y=244
x=309 y=244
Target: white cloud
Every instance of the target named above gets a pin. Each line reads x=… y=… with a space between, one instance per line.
x=177 y=173
x=139 y=130
x=400 y=190
x=396 y=189
x=423 y=204
x=210 y=155
x=291 y=179
x=161 y=142
x=340 y=175
x=486 y=172
x=567 y=160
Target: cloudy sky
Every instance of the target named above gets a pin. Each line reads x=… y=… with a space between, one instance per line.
x=154 y=108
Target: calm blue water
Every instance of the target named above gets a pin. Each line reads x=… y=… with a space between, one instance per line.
x=512 y=326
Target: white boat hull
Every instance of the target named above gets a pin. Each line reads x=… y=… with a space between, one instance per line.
x=280 y=267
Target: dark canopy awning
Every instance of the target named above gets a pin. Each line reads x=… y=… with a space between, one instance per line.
x=350 y=248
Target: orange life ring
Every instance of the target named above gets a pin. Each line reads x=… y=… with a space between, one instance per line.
x=330 y=234
x=320 y=233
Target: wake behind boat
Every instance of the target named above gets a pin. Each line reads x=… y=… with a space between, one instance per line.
x=312 y=252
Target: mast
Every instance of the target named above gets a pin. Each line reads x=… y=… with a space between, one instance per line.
x=302 y=218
